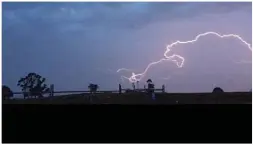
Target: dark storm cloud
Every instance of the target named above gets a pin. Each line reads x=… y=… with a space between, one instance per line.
x=111 y=15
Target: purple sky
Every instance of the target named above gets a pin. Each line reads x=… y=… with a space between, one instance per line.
x=73 y=44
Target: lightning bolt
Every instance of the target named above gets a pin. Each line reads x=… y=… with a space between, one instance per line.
x=174 y=57
x=124 y=69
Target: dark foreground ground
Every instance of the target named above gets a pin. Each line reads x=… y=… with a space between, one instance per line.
x=143 y=98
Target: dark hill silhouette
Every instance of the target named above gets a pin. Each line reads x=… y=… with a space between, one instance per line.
x=142 y=98
x=217 y=90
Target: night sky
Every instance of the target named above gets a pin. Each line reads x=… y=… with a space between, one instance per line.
x=74 y=44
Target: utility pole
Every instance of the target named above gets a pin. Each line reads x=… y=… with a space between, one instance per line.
x=51 y=90
x=120 y=89
x=163 y=88
x=133 y=86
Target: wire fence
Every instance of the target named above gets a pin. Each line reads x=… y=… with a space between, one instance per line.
x=20 y=95
x=52 y=93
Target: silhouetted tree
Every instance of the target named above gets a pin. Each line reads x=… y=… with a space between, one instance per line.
x=217 y=90
x=93 y=88
x=151 y=86
x=6 y=92
x=33 y=85
x=149 y=81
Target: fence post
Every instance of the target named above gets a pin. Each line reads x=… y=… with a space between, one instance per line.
x=133 y=86
x=120 y=89
x=163 y=88
x=51 y=90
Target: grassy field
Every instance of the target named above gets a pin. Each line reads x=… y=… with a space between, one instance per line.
x=143 y=98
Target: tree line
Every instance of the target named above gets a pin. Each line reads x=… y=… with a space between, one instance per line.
x=33 y=86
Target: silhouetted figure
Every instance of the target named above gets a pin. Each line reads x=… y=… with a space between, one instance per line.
x=6 y=93
x=217 y=90
x=33 y=85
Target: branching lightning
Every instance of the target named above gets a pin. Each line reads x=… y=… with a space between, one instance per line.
x=175 y=57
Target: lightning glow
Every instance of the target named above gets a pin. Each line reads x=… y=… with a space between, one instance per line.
x=175 y=57
x=124 y=69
